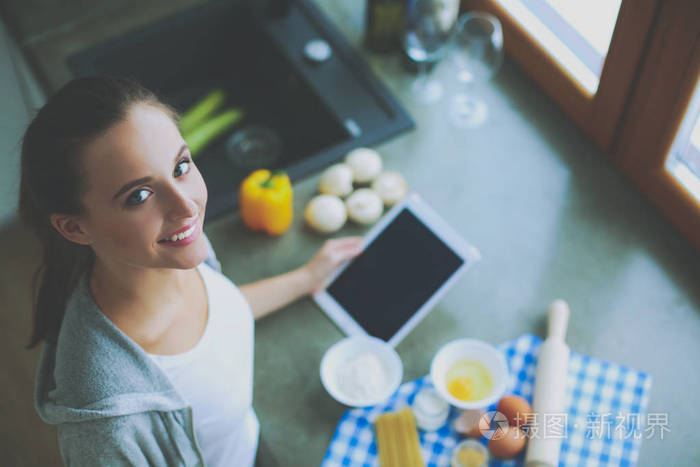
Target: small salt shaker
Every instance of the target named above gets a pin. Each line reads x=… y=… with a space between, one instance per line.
x=430 y=409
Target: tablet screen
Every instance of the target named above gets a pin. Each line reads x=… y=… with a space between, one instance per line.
x=394 y=276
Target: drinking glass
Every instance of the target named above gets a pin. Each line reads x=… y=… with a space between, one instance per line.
x=478 y=54
x=429 y=25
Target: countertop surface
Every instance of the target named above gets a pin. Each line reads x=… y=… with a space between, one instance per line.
x=551 y=216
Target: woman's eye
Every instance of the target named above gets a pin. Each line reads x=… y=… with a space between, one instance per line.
x=182 y=167
x=137 y=197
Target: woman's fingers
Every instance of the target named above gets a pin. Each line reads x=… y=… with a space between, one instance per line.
x=344 y=242
x=349 y=248
x=349 y=243
x=331 y=255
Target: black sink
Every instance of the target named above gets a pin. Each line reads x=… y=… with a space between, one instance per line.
x=315 y=112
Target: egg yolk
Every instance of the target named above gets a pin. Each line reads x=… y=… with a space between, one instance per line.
x=461 y=388
x=467 y=381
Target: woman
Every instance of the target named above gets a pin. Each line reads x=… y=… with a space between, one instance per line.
x=148 y=349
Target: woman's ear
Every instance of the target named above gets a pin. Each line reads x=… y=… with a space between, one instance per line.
x=71 y=228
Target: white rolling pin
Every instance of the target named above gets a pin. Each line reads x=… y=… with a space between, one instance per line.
x=550 y=390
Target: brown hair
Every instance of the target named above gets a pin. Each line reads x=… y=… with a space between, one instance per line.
x=52 y=182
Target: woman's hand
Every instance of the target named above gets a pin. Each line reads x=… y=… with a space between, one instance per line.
x=331 y=255
x=268 y=295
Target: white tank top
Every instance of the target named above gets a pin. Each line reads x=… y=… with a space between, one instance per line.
x=216 y=376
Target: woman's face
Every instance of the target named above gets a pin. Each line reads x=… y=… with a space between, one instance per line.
x=143 y=188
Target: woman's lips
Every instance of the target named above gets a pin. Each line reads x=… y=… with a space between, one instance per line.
x=185 y=241
x=182 y=229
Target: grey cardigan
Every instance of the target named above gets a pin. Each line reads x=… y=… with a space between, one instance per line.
x=112 y=404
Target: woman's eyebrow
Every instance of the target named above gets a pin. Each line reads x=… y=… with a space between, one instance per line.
x=142 y=180
x=132 y=184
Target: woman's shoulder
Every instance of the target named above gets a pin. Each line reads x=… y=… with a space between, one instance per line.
x=89 y=347
x=83 y=322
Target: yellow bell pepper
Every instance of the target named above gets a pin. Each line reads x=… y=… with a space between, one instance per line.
x=266 y=202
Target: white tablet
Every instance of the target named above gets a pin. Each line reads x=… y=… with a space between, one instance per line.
x=411 y=258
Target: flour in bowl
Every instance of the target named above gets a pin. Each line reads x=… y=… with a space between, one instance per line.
x=362 y=377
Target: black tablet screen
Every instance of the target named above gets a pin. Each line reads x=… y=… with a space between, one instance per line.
x=395 y=275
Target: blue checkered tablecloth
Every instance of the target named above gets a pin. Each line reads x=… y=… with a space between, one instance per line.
x=604 y=424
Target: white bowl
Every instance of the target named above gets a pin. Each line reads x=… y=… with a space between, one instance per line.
x=475 y=350
x=345 y=356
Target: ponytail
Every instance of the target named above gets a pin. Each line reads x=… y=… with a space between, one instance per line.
x=62 y=264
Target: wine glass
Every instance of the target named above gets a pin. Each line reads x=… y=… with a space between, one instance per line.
x=429 y=25
x=478 y=54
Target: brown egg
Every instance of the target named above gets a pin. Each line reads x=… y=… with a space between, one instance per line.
x=507 y=442
x=516 y=409
x=468 y=423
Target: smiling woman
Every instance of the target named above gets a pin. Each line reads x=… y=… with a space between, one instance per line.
x=148 y=348
x=127 y=214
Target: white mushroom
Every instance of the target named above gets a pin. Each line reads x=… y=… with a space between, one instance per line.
x=325 y=213
x=366 y=164
x=364 y=206
x=336 y=180
x=391 y=187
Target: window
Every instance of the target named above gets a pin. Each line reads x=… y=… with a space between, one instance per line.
x=683 y=162
x=576 y=34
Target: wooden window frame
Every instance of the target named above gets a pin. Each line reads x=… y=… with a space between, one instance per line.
x=656 y=109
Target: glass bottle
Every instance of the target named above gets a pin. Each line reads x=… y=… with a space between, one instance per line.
x=384 y=25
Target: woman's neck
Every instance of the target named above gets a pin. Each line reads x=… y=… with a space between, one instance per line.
x=124 y=289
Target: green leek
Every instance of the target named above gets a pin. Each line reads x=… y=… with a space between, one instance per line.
x=204 y=108
x=199 y=138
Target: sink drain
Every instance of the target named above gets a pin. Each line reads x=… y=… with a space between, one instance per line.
x=254 y=147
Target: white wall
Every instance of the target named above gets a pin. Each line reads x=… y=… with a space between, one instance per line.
x=20 y=97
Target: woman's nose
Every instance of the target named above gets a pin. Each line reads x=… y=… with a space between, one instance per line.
x=180 y=205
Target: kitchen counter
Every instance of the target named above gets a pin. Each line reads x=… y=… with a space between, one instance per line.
x=550 y=214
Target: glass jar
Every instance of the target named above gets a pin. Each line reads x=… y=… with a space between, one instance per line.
x=470 y=453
